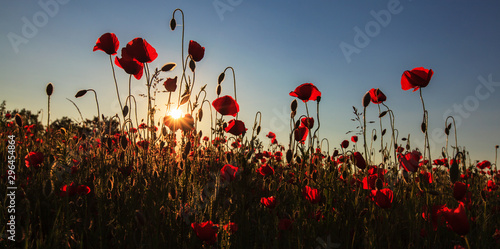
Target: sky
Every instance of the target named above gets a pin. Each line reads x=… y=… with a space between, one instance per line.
x=344 y=47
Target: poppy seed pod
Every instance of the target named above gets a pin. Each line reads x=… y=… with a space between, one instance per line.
x=49 y=89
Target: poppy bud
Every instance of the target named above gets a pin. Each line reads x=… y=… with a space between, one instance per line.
x=258 y=130
x=80 y=93
x=318 y=99
x=219 y=89
x=375 y=137
x=200 y=114
x=446 y=131
x=221 y=77
x=125 y=111
x=164 y=131
x=192 y=65
x=293 y=105
x=168 y=67
x=335 y=153
x=423 y=127
x=289 y=155
x=454 y=172
x=379 y=184
x=292 y=115
x=384 y=131
x=173 y=24
x=366 y=99
x=382 y=114
x=297 y=124
x=19 y=120
x=123 y=141
x=49 y=89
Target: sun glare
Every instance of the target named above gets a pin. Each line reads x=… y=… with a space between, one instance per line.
x=176 y=114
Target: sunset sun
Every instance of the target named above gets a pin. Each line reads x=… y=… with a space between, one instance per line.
x=176 y=113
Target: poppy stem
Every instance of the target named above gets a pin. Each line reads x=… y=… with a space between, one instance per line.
x=48 y=119
x=116 y=85
x=393 y=138
x=364 y=134
x=496 y=153
x=98 y=111
x=234 y=85
x=310 y=135
x=381 y=134
x=426 y=123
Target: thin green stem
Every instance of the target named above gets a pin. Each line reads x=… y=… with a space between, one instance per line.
x=116 y=84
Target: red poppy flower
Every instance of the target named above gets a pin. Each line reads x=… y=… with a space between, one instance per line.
x=269 y=202
x=74 y=189
x=410 y=160
x=129 y=64
x=231 y=227
x=265 y=170
x=459 y=190
x=143 y=144
x=354 y=139
x=206 y=231
x=307 y=122
x=285 y=224
x=491 y=186
x=107 y=43
x=359 y=160
x=306 y=92
x=34 y=159
x=228 y=172
x=300 y=134
x=311 y=194
x=196 y=51
x=383 y=197
x=226 y=105
x=170 y=84
x=443 y=162
x=271 y=135
x=416 y=78
x=484 y=164
x=436 y=215
x=140 y=49
x=457 y=219
x=236 y=127
x=344 y=144
x=186 y=123
x=426 y=176
x=377 y=96
x=370 y=181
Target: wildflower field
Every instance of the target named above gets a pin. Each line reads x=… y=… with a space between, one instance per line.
x=145 y=179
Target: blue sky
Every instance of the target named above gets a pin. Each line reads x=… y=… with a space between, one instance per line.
x=274 y=46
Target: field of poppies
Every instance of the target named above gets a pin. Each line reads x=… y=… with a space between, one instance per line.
x=143 y=179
